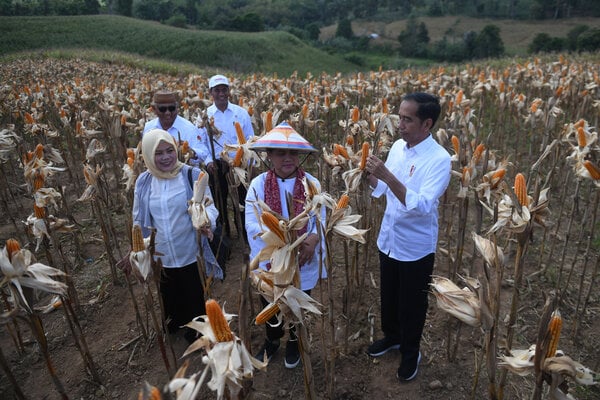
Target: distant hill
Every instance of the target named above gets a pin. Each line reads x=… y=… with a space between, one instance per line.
x=266 y=52
x=516 y=34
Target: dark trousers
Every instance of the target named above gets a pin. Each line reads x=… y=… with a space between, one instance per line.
x=404 y=299
x=277 y=332
x=220 y=191
x=182 y=294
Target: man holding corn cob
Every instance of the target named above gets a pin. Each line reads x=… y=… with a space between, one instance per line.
x=223 y=115
x=413 y=178
x=166 y=105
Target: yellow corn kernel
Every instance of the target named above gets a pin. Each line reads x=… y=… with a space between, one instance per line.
x=581 y=140
x=39 y=212
x=455 y=144
x=267 y=313
x=343 y=201
x=340 y=150
x=217 y=321
x=554 y=327
x=137 y=239
x=592 y=169
x=240 y=133
x=521 y=190
x=272 y=223
x=364 y=155
x=237 y=160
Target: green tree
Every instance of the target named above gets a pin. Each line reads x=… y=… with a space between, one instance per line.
x=488 y=43
x=573 y=36
x=414 y=39
x=589 y=40
x=344 y=29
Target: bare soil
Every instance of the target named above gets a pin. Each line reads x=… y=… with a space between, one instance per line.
x=125 y=360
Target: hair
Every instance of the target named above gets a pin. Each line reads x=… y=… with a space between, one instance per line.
x=428 y=105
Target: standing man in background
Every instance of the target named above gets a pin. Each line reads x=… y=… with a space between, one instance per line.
x=165 y=105
x=224 y=115
x=413 y=178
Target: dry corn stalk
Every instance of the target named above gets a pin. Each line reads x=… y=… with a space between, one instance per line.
x=217 y=321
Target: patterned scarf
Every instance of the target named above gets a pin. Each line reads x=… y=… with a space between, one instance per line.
x=273 y=197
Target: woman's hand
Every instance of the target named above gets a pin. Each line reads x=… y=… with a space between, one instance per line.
x=306 y=250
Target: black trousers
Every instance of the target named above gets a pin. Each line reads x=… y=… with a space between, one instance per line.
x=277 y=332
x=220 y=191
x=182 y=294
x=404 y=299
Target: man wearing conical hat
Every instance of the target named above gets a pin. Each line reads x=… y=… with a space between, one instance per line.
x=165 y=105
x=284 y=149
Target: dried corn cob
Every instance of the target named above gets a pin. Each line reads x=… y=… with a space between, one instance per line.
x=384 y=106
x=240 y=133
x=39 y=212
x=12 y=246
x=521 y=190
x=217 y=321
x=581 y=140
x=554 y=327
x=478 y=153
x=38 y=181
x=29 y=118
x=305 y=111
x=459 y=97
x=364 y=155
x=237 y=160
x=340 y=150
x=355 y=114
x=137 y=239
x=592 y=169
x=185 y=147
x=349 y=140
x=343 y=202
x=269 y=121
x=455 y=144
x=272 y=223
x=267 y=313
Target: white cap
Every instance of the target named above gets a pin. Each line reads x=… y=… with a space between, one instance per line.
x=217 y=80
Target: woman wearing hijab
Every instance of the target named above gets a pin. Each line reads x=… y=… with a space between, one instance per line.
x=284 y=147
x=161 y=202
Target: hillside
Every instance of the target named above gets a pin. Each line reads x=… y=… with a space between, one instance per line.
x=516 y=34
x=266 y=52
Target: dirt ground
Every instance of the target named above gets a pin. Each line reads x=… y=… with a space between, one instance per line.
x=125 y=360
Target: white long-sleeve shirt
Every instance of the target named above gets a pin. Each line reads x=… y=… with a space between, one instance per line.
x=410 y=232
x=183 y=130
x=224 y=121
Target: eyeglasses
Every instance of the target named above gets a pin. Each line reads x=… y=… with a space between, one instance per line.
x=163 y=109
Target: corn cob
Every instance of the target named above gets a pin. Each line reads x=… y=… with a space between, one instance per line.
x=349 y=140
x=237 y=160
x=327 y=101
x=185 y=147
x=355 y=114
x=217 y=321
x=123 y=120
x=240 y=133
x=478 y=152
x=39 y=212
x=581 y=140
x=340 y=150
x=269 y=121
x=29 y=118
x=554 y=327
x=38 y=181
x=267 y=313
x=521 y=190
x=343 y=202
x=137 y=239
x=558 y=92
x=364 y=155
x=592 y=169
x=39 y=151
x=455 y=144
x=272 y=223
x=384 y=106
x=535 y=105
x=12 y=246
x=459 y=97
x=305 y=110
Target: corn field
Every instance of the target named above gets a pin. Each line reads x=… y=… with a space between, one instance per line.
x=513 y=298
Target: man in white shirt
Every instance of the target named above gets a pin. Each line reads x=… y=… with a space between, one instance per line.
x=224 y=114
x=414 y=177
x=166 y=106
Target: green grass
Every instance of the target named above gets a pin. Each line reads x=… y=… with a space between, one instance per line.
x=265 y=52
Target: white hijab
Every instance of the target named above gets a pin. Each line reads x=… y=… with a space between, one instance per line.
x=150 y=142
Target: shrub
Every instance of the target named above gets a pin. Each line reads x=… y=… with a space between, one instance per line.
x=543 y=42
x=177 y=20
x=573 y=35
x=589 y=40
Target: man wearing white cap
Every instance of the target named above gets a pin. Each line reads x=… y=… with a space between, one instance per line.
x=165 y=105
x=224 y=114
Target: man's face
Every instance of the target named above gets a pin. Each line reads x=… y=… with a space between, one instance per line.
x=411 y=128
x=166 y=112
x=220 y=96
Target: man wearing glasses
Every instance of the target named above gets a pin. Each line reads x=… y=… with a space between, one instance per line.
x=166 y=106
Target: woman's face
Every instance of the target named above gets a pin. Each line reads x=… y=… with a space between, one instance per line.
x=165 y=156
x=284 y=162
